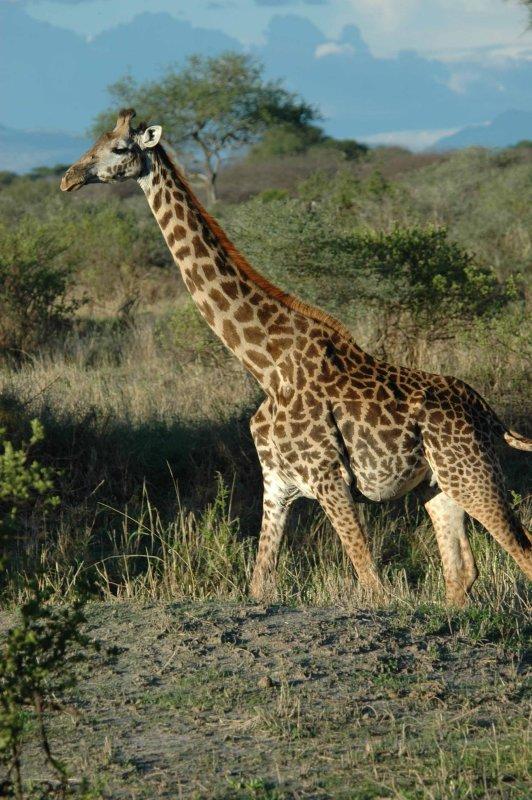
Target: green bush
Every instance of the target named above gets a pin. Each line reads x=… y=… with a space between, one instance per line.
x=24 y=483
x=112 y=248
x=423 y=286
x=33 y=286
x=37 y=663
x=485 y=202
x=416 y=283
x=185 y=333
x=105 y=245
x=302 y=248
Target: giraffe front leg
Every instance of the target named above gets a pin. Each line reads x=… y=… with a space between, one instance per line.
x=334 y=496
x=278 y=496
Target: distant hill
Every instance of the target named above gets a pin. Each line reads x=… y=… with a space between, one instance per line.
x=20 y=151
x=505 y=130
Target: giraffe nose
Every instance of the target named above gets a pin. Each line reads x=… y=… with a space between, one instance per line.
x=74 y=178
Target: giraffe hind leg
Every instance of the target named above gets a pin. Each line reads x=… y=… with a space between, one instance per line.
x=478 y=488
x=500 y=521
x=459 y=568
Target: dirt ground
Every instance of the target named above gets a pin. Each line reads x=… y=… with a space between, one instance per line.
x=220 y=700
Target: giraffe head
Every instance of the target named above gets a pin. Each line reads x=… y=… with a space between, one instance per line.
x=115 y=156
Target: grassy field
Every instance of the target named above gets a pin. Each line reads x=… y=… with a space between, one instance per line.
x=325 y=694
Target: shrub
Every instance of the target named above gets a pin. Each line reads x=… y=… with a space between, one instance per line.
x=298 y=245
x=22 y=480
x=26 y=485
x=423 y=286
x=184 y=332
x=112 y=248
x=417 y=284
x=483 y=201
x=33 y=287
x=37 y=661
x=37 y=656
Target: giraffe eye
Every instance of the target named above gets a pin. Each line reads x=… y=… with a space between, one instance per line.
x=120 y=150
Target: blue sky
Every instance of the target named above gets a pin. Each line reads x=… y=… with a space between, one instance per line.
x=385 y=70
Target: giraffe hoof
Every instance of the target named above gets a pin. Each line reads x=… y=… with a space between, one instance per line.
x=262 y=590
x=378 y=593
x=457 y=600
x=374 y=587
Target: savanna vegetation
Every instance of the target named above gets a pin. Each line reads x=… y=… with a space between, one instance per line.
x=127 y=471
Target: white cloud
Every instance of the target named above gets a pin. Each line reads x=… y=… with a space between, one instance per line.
x=415 y=140
x=497 y=55
x=387 y=13
x=460 y=81
x=334 y=49
x=438 y=28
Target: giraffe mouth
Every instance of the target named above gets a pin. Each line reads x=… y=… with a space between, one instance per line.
x=71 y=185
x=73 y=179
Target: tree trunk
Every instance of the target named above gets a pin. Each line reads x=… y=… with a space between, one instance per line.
x=211 y=189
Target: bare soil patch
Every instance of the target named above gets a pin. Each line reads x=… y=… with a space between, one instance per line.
x=221 y=700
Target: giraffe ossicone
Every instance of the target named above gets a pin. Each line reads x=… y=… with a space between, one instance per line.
x=336 y=425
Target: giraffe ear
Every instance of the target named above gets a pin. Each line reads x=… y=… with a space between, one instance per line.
x=151 y=136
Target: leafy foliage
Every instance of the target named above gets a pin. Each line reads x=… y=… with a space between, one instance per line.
x=419 y=284
x=37 y=661
x=23 y=480
x=423 y=285
x=112 y=248
x=185 y=332
x=33 y=286
x=292 y=139
x=287 y=139
x=38 y=655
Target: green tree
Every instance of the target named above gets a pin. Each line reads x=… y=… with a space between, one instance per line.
x=287 y=139
x=210 y=108
x=292 y=139
x=424 y=287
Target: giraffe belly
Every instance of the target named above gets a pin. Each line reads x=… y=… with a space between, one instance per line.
x=392 y=486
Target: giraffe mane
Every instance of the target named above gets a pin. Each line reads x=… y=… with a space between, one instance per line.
x=288 y=300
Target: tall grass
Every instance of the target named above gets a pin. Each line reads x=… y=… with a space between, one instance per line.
x=147 y=447
x=206 y=556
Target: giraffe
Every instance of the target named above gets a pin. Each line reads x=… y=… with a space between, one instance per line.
x=336 y=424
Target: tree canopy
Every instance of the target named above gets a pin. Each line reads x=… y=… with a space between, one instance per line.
x=211 y=107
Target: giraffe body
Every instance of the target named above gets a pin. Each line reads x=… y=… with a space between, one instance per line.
x=336 y=425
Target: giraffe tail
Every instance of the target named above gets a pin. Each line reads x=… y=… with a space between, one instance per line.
x=516 y=440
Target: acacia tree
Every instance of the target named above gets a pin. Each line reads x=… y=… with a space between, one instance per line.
x=211 y=107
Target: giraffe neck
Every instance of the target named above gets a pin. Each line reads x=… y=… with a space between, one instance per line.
x=256 y=325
